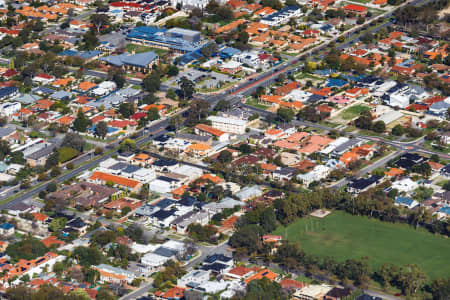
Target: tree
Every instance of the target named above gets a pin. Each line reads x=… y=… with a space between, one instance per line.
x=225 y=157
x=101 y=129
x=209 y=49
x=52 y=160
x=152 y=82
x=57 y=224
x=128 y=145
x=379 y=126
x=440 y=289
x=398 y=130
x=285 y=114
x=79 y=294
x=187 y=87
x=171 y=94
x=87 y=257
x=172 y=70
x=90 y=40
x=197 y=111
x=126 y=109
x=222 y=105
x=102 y=238
x=28 y=248
x=175 y=122
x=153 y=114
x=99 y=20
x=117 y=75
x=134 y=232
x=125 y=211
x=105 y=294
x=264 y=289
x=81 y=122
x=73 y=140
x=435 y=158
x=411 y=278
x=364 y=121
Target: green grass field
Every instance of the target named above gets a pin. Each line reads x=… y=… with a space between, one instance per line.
x=353 y=111
x=344 y=236
x=140 y=48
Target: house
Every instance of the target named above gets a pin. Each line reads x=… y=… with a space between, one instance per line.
x=113 y=274
x=249 y=192
x=406 y=202
x=445 y=171
x=284 y=174
x=126 y=183
x=357 y=9
x=43 y=78
x=239 y=273
x=282 y=16
x=8 y=109
x=405 y=185
x=193 y=278
x=6 y=229
x=312 y=291
x=360 y=185
x=445 y=138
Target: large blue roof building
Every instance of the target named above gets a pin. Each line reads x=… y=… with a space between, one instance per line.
x=177 y=39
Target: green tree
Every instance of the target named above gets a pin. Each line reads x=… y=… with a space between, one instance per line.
x=411 y=279
x=398 y=130
x=102 y=238
x=379 y=126
x=153 y=114
x=87 y=257
x=285 y=114
x=171 y=94
x=172 y=70
x=126 y=109
x=152 y=82
x=57 y=224
x=225 y=157
x=81 y=122
x=101 y=129
x=187 y=87
x=28 y=248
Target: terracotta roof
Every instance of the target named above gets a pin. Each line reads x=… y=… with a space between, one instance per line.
x=52 y=240
x=209 y=129
x=355 y=7
x=261 y=274
x=116 y=179
x=39 y=216
x=240 y=271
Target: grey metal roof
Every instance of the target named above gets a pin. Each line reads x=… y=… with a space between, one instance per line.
x=5 y=131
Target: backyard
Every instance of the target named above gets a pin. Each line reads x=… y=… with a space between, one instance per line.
x=344 y=236
x=353 y=111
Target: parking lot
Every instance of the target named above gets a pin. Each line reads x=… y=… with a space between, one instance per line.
x=203 y=79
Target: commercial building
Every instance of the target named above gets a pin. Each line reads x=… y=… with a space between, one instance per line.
x=230 y=125
x=176 y=39
x=141 y=62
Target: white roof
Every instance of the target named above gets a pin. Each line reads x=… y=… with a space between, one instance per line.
x=141 y=248
x=337 y=142
x=389 y=117
x=315 y=291
x=232 y=64
x=173 y=245
x=154 y=260
x=237 y=122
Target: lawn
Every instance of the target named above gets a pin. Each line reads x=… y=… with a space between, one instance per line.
x=255 y=103
x=139 y=49
x=353 y=111
x=344 y=236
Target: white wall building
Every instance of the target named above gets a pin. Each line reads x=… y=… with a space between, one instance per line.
x=236 y=126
